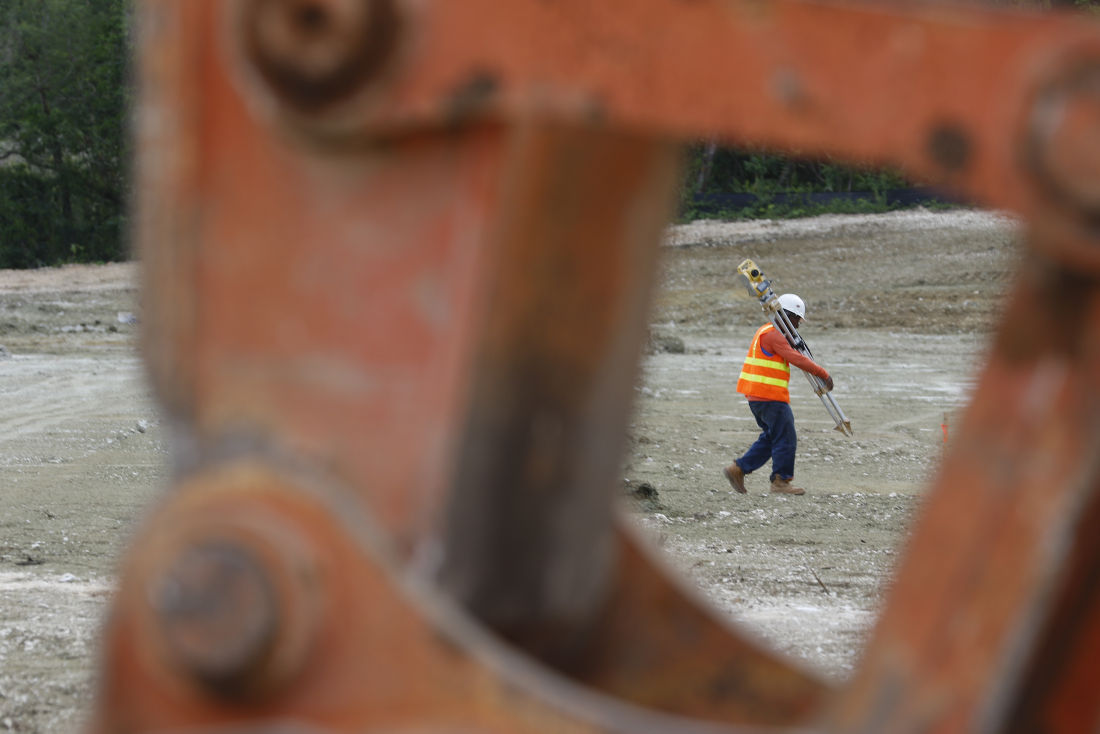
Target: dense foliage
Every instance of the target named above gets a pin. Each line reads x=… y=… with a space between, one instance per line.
x=63 y=149
x=774 y=182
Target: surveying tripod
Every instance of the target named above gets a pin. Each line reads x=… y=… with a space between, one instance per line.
x=761 y=289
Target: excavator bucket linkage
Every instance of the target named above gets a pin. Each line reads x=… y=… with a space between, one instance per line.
x=397 y=258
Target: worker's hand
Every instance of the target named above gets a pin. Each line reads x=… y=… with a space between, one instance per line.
x=829 y=383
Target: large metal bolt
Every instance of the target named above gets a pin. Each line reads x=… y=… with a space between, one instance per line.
x=315 y=53
x=218 y=614
x=1065 y=130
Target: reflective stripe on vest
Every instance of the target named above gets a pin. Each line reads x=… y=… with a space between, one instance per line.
x=764 y=376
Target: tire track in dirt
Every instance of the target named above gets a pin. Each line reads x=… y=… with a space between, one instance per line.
x=73 y=389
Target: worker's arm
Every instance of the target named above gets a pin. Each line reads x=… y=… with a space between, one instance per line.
x=775 y=343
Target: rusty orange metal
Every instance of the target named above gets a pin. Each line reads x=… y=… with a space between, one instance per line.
x=988 y=582
x=946 y=91
x=397 y=258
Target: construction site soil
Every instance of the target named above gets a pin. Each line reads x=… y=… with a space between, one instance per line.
x=901 y=308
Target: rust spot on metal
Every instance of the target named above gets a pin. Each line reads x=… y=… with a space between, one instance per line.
x=950 y=147
x=789 y=89
x=471 y=97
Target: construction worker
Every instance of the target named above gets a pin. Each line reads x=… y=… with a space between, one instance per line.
x=764 y=381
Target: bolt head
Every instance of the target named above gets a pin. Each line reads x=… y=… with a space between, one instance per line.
x=314 y=53
x=218 y=614
x=1065 y=129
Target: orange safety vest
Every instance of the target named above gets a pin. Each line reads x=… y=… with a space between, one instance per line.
x=764 y=376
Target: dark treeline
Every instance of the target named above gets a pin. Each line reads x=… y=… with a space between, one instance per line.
x=65 y=93
x=774 y=183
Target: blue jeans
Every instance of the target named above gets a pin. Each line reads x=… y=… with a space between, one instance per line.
x=776 y=442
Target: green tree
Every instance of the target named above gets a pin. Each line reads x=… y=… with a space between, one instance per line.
x=63 y=144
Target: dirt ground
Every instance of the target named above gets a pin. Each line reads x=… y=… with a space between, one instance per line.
x=900 y=308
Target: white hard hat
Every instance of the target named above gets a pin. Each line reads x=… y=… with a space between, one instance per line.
x=794 y=304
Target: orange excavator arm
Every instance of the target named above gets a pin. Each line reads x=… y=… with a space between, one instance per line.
x=397 y=258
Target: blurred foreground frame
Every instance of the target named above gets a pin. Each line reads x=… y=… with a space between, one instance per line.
x=397 y=258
